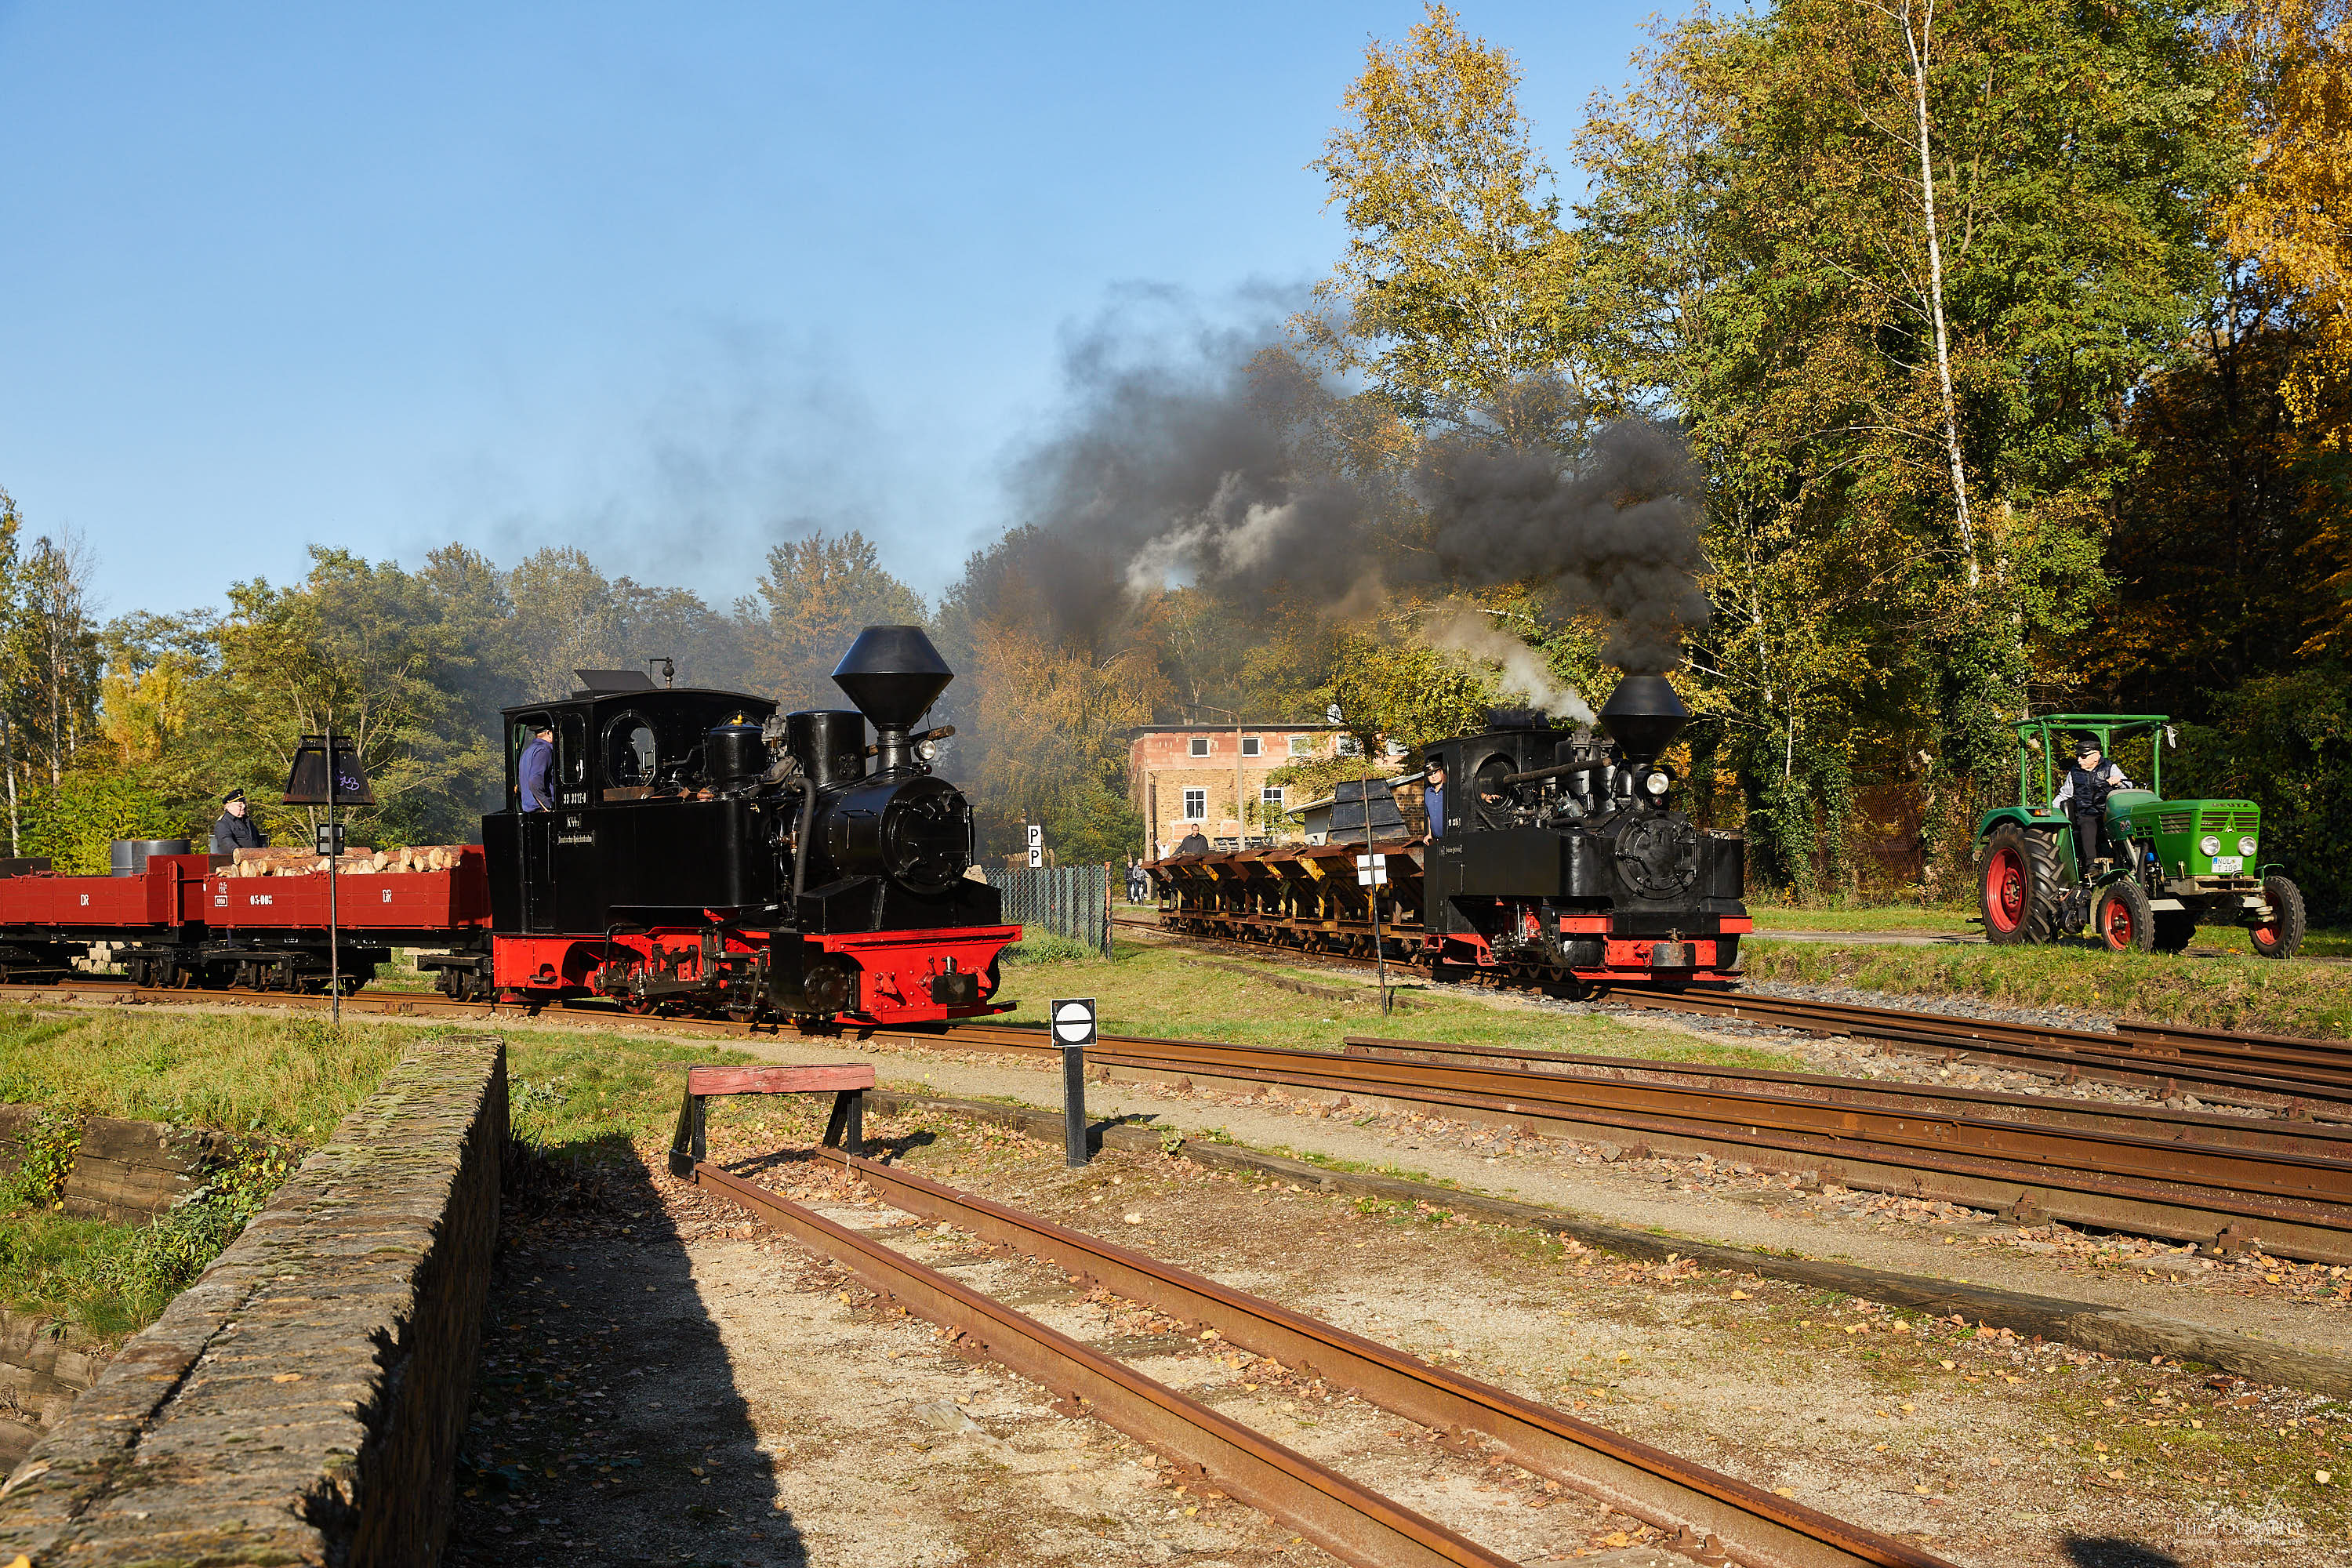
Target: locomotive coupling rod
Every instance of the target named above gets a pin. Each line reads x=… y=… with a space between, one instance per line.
x=1698 y=1508
x=1349 y=1521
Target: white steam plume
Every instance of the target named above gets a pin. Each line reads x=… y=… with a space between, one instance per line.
x=1525 y=673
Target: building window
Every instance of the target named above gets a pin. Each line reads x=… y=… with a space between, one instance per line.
x=1249 y=745
x=1200 y=745
x=1196 y=805
x=1347 y=747
x=1302 y=745
x=1272 y=795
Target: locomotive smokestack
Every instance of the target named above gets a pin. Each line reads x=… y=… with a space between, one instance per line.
x=1644 y=716
x=893 y=675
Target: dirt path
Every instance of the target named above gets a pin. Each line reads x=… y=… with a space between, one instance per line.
x=753 y=1409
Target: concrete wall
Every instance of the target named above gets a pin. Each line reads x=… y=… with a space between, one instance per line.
x=302 y=1401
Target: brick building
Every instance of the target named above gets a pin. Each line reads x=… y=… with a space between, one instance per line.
x=1187 y=777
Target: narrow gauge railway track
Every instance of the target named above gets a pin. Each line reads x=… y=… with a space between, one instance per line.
x=1709 y=1517
x=2128 y=1173
x=2328 y=1140
x=2136 y=1171
x=2272 y=1071
x=2269 y=1072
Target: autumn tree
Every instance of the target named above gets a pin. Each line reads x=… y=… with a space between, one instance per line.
x=2290 y=219
x=1898 y=270
x=1451 y=297
x=817 y=593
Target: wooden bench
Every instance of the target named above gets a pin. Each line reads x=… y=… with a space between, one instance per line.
x=848 y=1082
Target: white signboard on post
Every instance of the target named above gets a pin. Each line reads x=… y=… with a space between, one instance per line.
x=1371 y=870
x=1074 y=1022
x=1036 y=847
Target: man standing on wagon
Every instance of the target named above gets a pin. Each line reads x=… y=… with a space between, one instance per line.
x=234 y=830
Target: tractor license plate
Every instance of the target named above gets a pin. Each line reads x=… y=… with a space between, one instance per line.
x=2228 y=865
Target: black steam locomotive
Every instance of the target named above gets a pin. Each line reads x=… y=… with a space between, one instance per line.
x=707 y=853
x=1566 y=852
x=1561 y=863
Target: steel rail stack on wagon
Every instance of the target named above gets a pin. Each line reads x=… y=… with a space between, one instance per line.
x=1708 y=1516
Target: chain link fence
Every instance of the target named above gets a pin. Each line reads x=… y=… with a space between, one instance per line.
x=1072 y=900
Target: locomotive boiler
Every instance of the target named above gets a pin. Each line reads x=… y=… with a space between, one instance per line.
x=1563 y=863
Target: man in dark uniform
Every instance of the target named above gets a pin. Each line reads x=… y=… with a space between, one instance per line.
x=1432 y=799
x=2083 y=797
x=535 y=770
x=235 y=830
x=1194 y=844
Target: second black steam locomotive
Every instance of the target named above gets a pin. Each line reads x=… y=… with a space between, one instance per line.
x=708 y=853
x=1562 y=862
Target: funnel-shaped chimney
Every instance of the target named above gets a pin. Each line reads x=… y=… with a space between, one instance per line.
x=1644 y=716
x=893 y=674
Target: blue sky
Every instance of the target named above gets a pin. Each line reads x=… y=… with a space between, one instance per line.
x=664 y=282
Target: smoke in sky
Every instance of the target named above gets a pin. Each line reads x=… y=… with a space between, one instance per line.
x=1218 y=467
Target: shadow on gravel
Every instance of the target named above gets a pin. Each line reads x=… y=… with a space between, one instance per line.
x=606 y=1426
x=2109 y=1551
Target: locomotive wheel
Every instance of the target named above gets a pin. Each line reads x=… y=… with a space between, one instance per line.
x=2017 y=885
x=2282 y=935
x=2175 y=929
x=2121 y=920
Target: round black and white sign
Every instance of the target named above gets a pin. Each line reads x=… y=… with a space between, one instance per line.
x=1074 y=1021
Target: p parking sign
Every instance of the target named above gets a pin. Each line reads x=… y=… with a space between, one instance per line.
x=1036 y=847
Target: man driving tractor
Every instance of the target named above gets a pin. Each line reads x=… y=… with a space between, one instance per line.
x=2083 y=797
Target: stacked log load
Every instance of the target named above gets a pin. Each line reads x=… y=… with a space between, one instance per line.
x=357 y=862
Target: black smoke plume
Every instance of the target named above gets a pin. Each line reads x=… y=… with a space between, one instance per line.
x=1227 y=467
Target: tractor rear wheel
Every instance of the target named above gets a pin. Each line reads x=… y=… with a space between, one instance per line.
x=2282 y=935
x=2175 y=929
x=2017 y=885
x=2121 y=920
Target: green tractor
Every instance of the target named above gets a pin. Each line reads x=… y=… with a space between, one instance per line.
x=2172 y=864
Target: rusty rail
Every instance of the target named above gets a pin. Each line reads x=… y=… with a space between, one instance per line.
x=2121 y=1176
x=1707 y=1515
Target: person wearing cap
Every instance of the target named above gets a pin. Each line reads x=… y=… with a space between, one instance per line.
x=235 y=830
x=2083 y=797
x=535 y=769
x=1432 y=798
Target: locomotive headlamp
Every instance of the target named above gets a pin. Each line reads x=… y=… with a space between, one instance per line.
x=1657 y=783
x=2210 y=845
x=927 y=749
x=2247 y=846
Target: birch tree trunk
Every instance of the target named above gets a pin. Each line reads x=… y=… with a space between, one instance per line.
x=1917 y=42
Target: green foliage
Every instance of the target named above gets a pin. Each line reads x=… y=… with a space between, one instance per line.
x=44 y=1158
x=74 y=822
x=2284 y=742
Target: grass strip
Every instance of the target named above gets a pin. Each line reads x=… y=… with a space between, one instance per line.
x=2230 y=991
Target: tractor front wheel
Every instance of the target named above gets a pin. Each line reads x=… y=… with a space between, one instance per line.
x=2121 y=920
x=2017 y=885
x=2282 y=935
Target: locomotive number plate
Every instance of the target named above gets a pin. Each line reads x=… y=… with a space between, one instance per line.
x=2228 y=865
